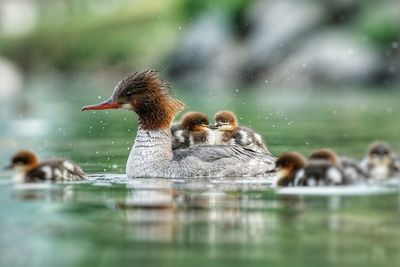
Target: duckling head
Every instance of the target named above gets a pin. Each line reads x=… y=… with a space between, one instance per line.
x=380 y=154
x=325 y=154
x=226 y=120
x=24 y=161
x=288 y=164
x=195 y=121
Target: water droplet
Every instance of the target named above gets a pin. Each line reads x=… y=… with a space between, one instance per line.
x=99 y=97
x=395 y=45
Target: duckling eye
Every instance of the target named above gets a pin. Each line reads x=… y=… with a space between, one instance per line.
x=128 y=93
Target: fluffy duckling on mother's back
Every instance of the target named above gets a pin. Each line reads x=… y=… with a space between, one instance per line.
x=229 y=132
x=192 y=130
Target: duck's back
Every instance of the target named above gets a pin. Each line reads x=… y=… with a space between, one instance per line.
x=223 y=161
x=56 y=170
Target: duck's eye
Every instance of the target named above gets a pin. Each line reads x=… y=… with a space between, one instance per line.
x=128 y=93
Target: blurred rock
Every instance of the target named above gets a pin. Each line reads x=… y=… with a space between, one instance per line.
x=276 y=26
x=18 y=17
x=205 y=57
x=329 y=57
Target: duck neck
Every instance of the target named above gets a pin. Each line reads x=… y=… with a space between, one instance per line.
x=151 y=152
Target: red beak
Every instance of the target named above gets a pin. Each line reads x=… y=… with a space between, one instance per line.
x=108 y=104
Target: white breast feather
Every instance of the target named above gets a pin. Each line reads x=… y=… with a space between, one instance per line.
x=69 y=166
x=258 y=138
x=179 y=136
x=58 y=173
x=210 y=137
x=298 y=176
x=48 y=173
x=334 y=175
x=380 y=172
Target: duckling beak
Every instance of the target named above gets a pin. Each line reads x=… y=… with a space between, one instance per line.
x=212 y=126
x=108 y=104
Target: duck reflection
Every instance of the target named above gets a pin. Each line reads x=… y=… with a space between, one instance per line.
x=173 y=210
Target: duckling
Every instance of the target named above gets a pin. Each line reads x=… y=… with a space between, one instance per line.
x=230 y=133
x=294 y=170
x=193 y=130
x=321 y=173
x=351 y=170
x=289 y=168
x=180 y=136
x=380 y=162
x=29 y=169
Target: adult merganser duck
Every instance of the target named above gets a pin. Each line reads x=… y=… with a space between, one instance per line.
x=230 y=133
x=147 y=94
x=380 y=162
x=29 y=169
x=294 y=170
x=350 y=168
x=193 y=130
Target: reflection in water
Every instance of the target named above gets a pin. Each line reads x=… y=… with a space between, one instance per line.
x=196 y=221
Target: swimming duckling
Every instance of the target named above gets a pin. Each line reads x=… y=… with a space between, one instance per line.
x=230 y=133
x=294 y=170
x=289 y=168
x=380 y=162
x=29 y=169
x=193 y=130
x=351 y=170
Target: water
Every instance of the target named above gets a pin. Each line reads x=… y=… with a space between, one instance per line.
x=109 y=220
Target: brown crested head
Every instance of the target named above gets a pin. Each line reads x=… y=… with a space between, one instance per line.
x=290 y=162
x=226 y=117
x=24 y=160
x=148 y=95
x=325 y=154
x=194 y=121
x=379 y=149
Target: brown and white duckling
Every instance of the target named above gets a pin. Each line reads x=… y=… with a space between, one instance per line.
x=380 y=162
x=350 y=168
x=294 y=170
x=193 y=130
x=180 y=136
x=289 y=167
x=230 y=133
x=29 y=169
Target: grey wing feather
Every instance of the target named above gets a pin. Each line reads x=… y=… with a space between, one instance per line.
x=210 y=153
